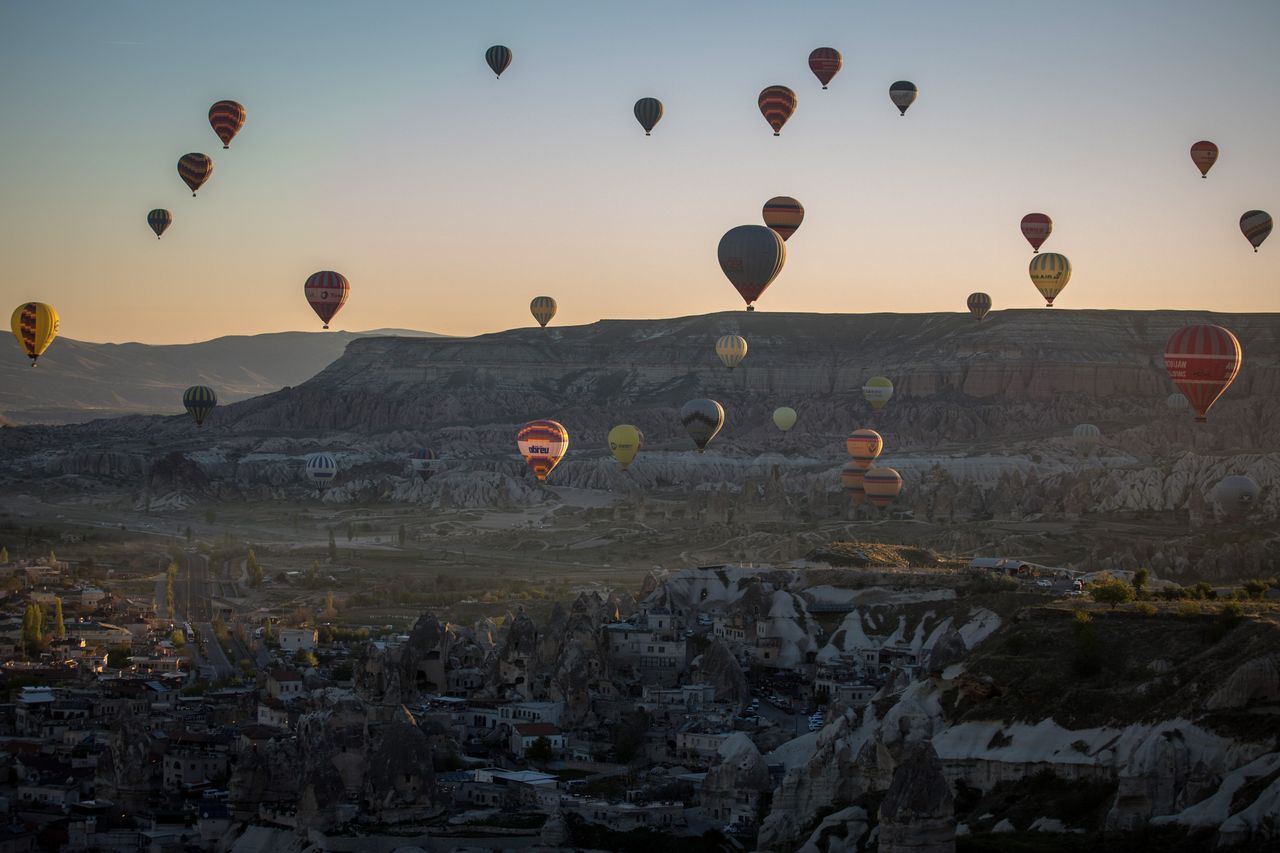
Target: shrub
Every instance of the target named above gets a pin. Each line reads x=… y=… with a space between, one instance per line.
x=1255 y=589
x=1112 y=592
x=1189 y=607
x=1146 y=608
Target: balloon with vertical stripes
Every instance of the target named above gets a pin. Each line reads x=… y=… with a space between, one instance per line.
x=159 y=220
x=825 y=63
x=648 y=112
x=498 y=57
x=1203 y=360
x=1050 y=273
x=199 y=401
x=1255 y=225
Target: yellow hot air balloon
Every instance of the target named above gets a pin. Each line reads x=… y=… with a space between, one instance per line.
x=877 y=392
x=732 y=349
x=35 y=325
x=543 y=308
x=1050 y=273
x=882 y=485
x=784 y=418
x=625 y=442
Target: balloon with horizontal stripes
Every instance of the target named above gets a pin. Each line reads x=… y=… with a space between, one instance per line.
x=1203 y=360
x=825 y=63
x=326 y=292
x=1255 y=225
x=852 y=480
x=751 y=257
x=732 y=349
x=864 y=447
x=783 y=214
x=195 y=169
x=543 y=444
x=648 y=112
x=777 y=103
x=498 y=57
x=199 y=401
x=1050 y=273
x=226 y=118
x=903 y=94
x=702 y=419
x=159 y=220
x=1204 y=154
x=543 y=308
x=1036 y=227
x=979 y=305
x=877 y=392
x=35 y=325
x=882 y=485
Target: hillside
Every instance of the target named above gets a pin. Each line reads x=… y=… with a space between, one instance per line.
x=79 y=381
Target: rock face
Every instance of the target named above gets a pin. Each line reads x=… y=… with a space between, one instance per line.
x=734 y=786
x=1257 y=681
x=917 y=813
x=717 y=666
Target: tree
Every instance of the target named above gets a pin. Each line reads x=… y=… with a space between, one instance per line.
x=31 y=630
x=252 y=568
x=351 y=532
x=329 y=610
x=210 y=515
x=402 y=535
x=1140 y=578
x=4 y=554
x=312 y=573
x=1112 y=592
x=178 y=638
x=333 y=548
x=168 y=592
x=118 y=658
x=539 y=751
x=247 y=668
x=53 y=559
x=305 y=657
x=59 y=624
x=1256 y=589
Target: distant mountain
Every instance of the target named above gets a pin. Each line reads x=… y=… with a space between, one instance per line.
x=79 y=381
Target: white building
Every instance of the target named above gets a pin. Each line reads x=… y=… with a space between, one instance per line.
x=295 y=639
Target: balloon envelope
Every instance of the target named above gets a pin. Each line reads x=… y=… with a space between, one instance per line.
x=1204 y=154
x=852 y=481
x=784 y=418
x=703 y=419
x=423 y=461
x=543 y=308
x=1202 y=361
x=320 y=469
x=777 y=103
x=979 y=305
x=327 y=292
x=877 y=392
x=882 y=485
x=35 y=325
x=1237 y=494
x=864 y=445
x=625 y=441
x=226 y=118
x=825 y=63
x=751 y=257
x=783 y=214
x=195 y=169
x=543 y=445
x=732 y=349
x=648 y=112
x=1036 y=227
x=903 y=94
x=199 y=401
x=1255 y=225
x=1177 y=402
x=498 y=57
x=1050 y=273
x=159 y=220
x=1085 y=437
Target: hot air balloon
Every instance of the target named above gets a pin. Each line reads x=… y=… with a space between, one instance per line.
x=199 y=401
x=320 y=469
x=327 y=291
x=825 y=63
x=784 y=418
x=195 y=169
x=882 y=485
x=35 y=325
x=864 y=445
x=783 y=214
x=703 y=419
x=1237 y=494
x=1177 y=402
x=543 y=308
x=903 y=94
x=877 y=392
x=732 y=349
x=226 y=118
x=1036 y=227
x=852 y=480
x=159 y=220
x=424 y=461
x=498 y=57
x=751 y=257
x=777 y=103
x=1085 y=438
x=1202 y=361
x=625 y=441
x=543 y=445
x=1204 y=154
x=648 y=112
x=1050 y=273
x=1255 y=225
x=979 y=305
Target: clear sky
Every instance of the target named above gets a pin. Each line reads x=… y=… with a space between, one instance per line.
x=379 y=144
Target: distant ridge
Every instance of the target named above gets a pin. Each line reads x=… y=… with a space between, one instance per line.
x=79 y=381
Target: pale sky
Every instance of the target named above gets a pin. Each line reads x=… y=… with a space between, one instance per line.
x=379 y=144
